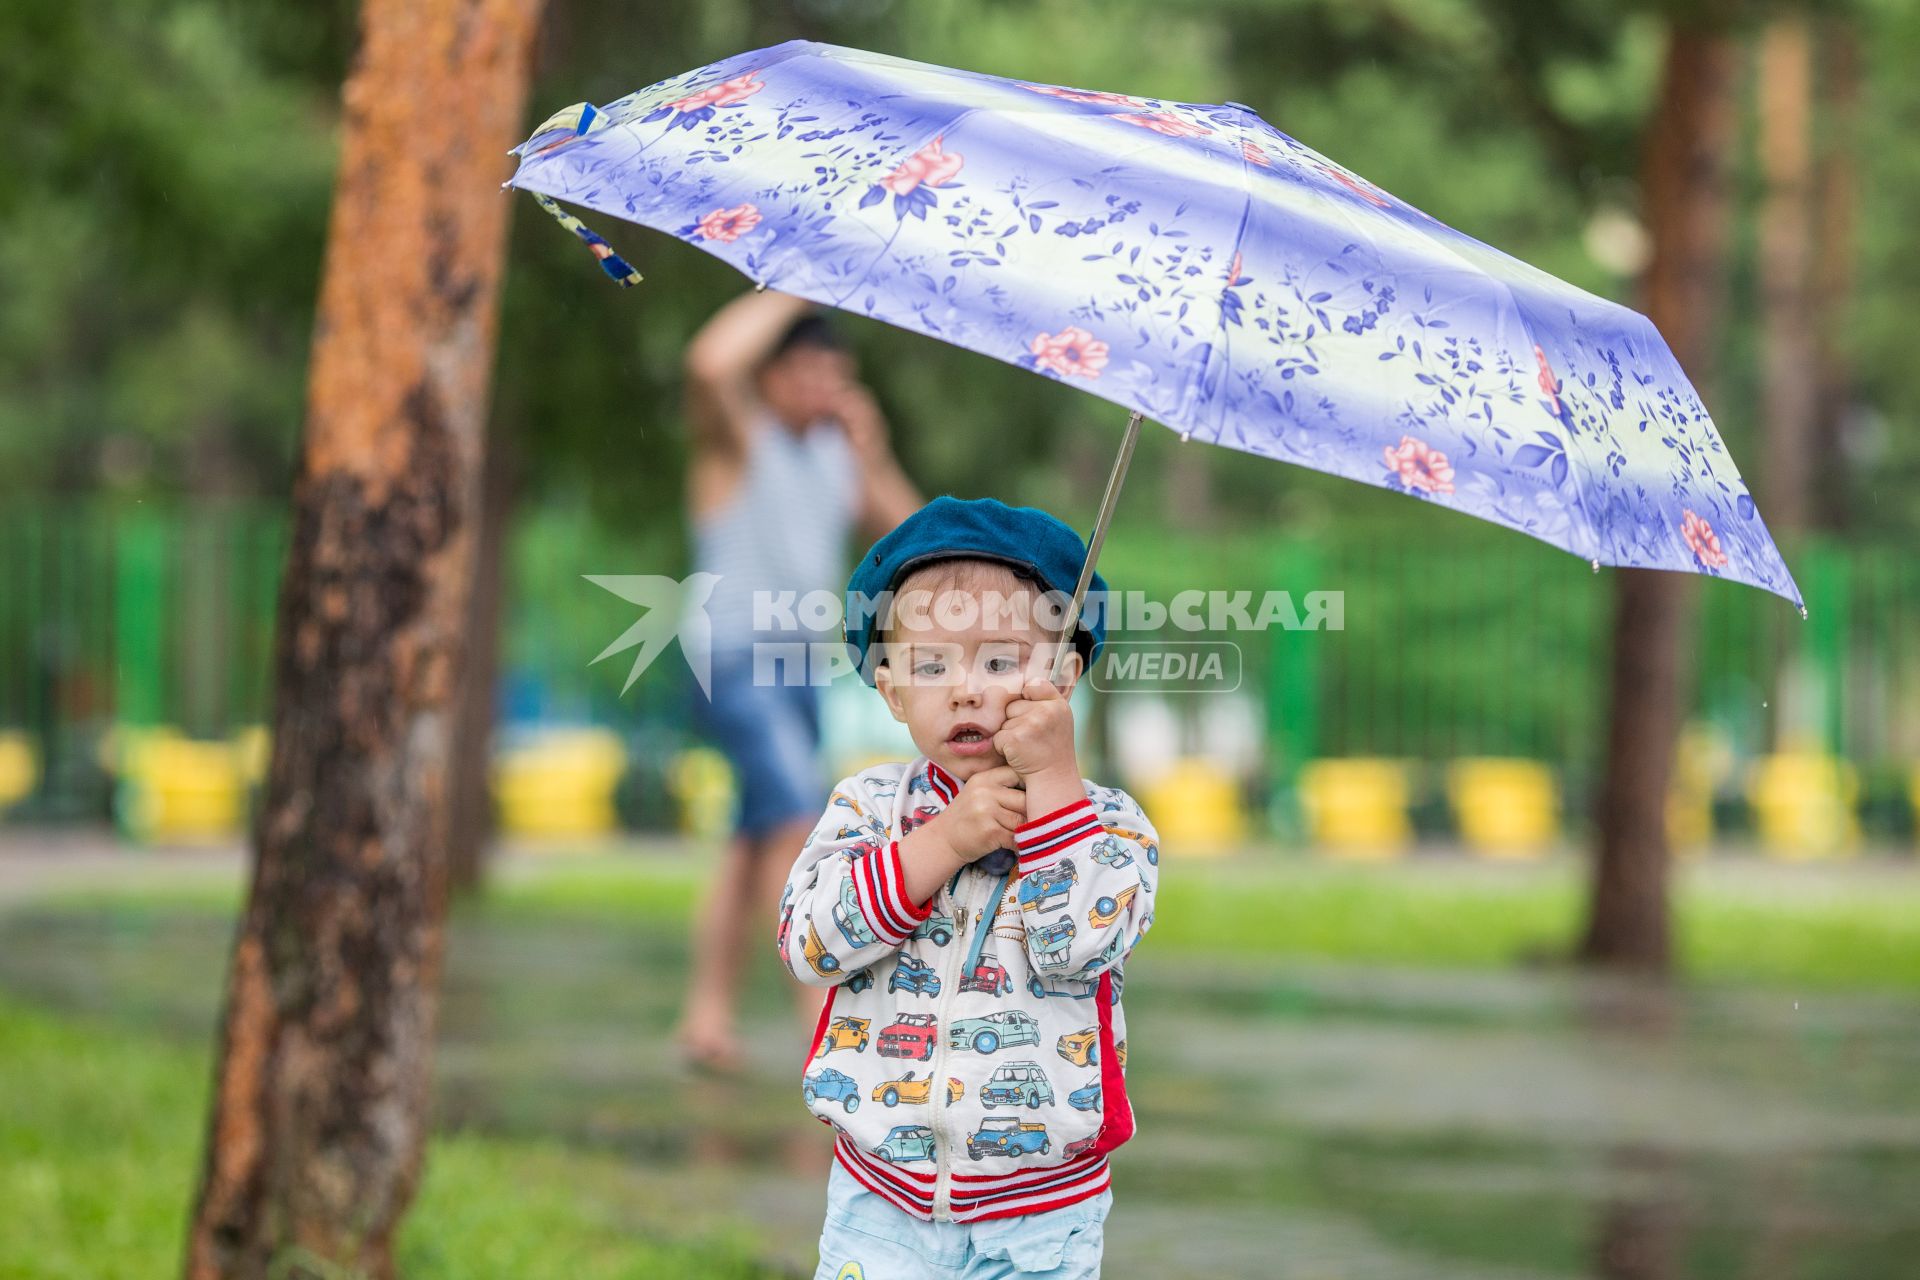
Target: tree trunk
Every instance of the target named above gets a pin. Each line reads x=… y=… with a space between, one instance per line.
x=1689 y=142
x=318 y=1123
x=1788 y=369
x=1836 y=183
x=470 y=793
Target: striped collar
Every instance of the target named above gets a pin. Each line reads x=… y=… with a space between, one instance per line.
x=942 y=783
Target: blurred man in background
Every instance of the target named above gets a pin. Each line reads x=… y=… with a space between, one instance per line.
x=790 y=455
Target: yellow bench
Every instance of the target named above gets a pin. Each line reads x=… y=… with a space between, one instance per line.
x=1504 y=808
x=177 y=790
x=560 y=785
x=19 y=769
x=1356 y=808
x=1803 y=805
x=1195 y=808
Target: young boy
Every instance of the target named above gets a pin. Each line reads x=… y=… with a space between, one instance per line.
x=972 y=1051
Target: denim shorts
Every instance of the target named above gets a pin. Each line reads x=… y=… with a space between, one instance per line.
x=865 y=1238
x=770 y=734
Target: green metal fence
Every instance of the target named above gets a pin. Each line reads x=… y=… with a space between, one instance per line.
x=1469 y=642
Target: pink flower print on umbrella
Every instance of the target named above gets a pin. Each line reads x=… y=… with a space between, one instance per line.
x=1548 y=382
x=1087 y=95
x=724 y=94
x=1165 y=122
x=1254 y=155
x=697 y=108
x=1702 y=540
x=1419 y=466
x=1229 y=300
x=929 y=164
x=1071 y=353
x=1359 y=186
x=911 y=179
x=728 y=224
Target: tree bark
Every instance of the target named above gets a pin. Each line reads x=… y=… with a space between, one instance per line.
x=1789 y=379
x=471 y=826
x=319 y=1117
x=1836 y=186
x=1689 y=142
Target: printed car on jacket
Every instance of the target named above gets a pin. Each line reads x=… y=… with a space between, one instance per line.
x=834 y=1086
x=989 y=975
x=1085 y=1099
x=1081 y=1048
x=994 y=1031
x=1110 y=852
x=853 y=925
x=938 y=927
x=913 y=1091
x=1015 y=1084
x=906 y=1142
x=913 y=975
x=1008 y=1137
x=1061 y=988
x=824 y=962
x=1145 y=841
x=1106 y=910
x=844 y=1033
x=1049 y=942
x=910 y=1035
x=1039 y=890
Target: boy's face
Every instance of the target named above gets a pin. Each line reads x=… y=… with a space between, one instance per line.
x=956 y=657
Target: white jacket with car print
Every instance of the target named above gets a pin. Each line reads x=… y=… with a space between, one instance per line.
x=974 y=1068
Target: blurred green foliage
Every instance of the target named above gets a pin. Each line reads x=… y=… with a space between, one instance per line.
x=171 y=162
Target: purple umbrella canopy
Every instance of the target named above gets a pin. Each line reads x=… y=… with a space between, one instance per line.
x=1189 y=262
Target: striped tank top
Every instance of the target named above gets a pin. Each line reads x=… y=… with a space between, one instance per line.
x=783 y=530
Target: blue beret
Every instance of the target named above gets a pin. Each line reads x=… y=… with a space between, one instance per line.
x=1025 y=538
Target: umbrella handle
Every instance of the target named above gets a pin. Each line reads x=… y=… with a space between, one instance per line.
x=1108 y=502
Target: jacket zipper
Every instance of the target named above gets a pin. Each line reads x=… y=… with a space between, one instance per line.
x=937 y=1087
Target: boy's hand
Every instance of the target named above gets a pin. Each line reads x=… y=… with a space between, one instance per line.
x=1036 y=738
x=982 y=817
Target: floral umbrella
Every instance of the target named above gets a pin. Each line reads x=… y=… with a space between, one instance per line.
x=1190 y=262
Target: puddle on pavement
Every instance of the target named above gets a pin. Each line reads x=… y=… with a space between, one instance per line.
x=1295 y=1120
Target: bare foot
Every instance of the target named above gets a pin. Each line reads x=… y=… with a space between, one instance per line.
x=709 y=1052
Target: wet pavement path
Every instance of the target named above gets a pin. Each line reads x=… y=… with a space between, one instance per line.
x=1299 y=1121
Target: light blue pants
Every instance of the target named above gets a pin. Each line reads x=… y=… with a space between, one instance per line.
x=865 y=1238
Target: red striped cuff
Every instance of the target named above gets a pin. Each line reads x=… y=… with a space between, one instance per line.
x=1042 y=839
x=880 y=886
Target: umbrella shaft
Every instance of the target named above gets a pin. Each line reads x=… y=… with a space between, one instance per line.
x=1108 y=502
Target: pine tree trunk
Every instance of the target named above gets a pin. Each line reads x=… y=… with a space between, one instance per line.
x=1789 y=377
x=1689 y=144
x=1836 y=186
x=470 y=790
x=319 y=1120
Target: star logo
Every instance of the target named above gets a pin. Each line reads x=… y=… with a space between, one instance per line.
x=672 y=608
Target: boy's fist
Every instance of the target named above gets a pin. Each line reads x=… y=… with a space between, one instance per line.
x=982 y=817
x=1037 y=734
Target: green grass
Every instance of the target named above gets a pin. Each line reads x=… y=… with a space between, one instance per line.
x=1736 y=921
x=102 y=1133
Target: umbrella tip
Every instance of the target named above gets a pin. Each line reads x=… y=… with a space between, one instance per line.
x=1596 y=566
x=1803 y=613
x=759 y=286
x=1185 y=436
